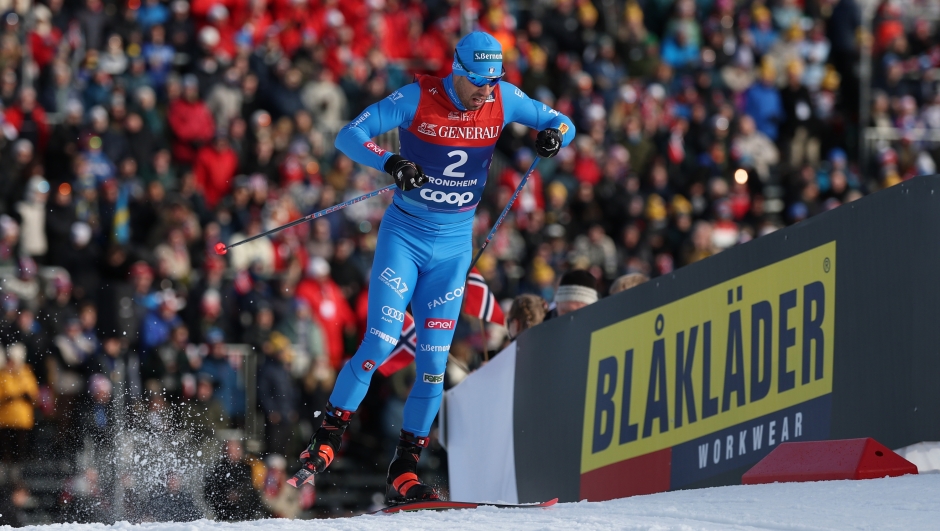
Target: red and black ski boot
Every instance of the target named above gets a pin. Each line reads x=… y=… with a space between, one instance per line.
x=403 y=485
x=324 y=445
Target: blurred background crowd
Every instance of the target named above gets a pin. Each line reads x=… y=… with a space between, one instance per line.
x=137 y=134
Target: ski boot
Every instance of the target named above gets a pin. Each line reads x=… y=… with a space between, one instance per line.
x=403 y=485
x=324 y=445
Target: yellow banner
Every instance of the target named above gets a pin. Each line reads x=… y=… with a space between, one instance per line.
x=736 y=351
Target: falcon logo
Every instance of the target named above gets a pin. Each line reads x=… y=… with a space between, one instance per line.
x=368 y=365
x=447 y=297
x=427 y=129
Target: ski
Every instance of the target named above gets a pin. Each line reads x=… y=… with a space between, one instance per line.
x=301 y=477
x=441 y=505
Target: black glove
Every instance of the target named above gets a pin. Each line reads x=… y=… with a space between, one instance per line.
x=548 y=143
x=407 y=174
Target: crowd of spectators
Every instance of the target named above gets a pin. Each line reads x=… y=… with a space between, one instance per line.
x=136 y=135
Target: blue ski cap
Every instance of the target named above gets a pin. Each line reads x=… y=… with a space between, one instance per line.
x=481 y=53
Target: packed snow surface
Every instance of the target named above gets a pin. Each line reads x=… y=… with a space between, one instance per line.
x=909 y=503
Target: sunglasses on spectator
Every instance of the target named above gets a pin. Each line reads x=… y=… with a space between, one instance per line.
x=476 y=79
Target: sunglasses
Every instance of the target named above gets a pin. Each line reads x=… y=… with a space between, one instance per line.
x=476 y=79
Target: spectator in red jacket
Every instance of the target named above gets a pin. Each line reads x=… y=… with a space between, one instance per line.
x=29 y=118
x=190 y=122
x=214 y=170
x=328 y=304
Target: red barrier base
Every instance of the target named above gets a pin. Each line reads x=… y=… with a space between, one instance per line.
x=828 y=460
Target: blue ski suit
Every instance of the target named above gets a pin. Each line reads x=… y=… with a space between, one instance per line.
x=424 y=245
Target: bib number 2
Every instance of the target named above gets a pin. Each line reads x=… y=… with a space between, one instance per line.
x=450 y=171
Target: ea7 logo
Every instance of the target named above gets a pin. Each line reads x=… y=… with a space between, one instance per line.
x=433 y=378
x=427 y=129
x=373 y=147
x=390 y=279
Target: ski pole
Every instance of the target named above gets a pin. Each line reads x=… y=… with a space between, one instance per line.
x=502 y=216
x=221 y=248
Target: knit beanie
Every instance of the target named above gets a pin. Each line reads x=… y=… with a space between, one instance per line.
x=577 y=286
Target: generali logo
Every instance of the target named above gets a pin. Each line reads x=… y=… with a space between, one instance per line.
x=427 y=129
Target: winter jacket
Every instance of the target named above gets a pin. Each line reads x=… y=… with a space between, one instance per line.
x=214 y=172
x=18 y=391
x=192 y=125
x=762 y=102
x=332 y=310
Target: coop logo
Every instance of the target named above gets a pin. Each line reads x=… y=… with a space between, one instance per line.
x=358 y=121
x=433 y=378
x=383 y=336
x=427 y=129
x=719 y=377
x=452 y=198
x=373 y=147
x=390 y=314
x=447 y=297
x=487 y=55
x=435 y=348
x=390 y=279
x=452 y=182
x=440 y=324
x=368 y=365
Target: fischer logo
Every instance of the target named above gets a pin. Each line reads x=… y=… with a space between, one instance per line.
x=427 y=129
x=389 y=314
x=373 y=147
x=451 y=182
x=483 y=55
x=440 y=324
x=449 y=296
x=361 y=119
x=452 y=198
x=433 y=378
x=459 y=116
x=434 y=348
x=382 y=335
x=468 y=133
x=368 y=365
x=389 y=278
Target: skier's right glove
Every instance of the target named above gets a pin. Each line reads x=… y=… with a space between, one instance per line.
x=407 y=174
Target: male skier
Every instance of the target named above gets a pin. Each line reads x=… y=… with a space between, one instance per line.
x=448 y=129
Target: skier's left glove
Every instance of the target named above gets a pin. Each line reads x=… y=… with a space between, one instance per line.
x=548 y=143
x=407 y=174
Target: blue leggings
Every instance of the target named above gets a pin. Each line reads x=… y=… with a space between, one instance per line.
x=426 y=264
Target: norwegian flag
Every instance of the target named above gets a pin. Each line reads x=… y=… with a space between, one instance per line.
x=404 y=352
x=479 y=301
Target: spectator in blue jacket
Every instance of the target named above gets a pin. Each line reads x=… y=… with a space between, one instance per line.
x=277 y=394
x=762 y=102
